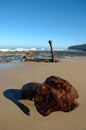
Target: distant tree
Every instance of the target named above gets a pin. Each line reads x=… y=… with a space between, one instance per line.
x=52 y=53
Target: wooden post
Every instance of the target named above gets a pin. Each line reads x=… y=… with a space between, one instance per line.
x=52 y=53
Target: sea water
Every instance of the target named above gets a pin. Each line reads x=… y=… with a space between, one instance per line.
x=14 y=55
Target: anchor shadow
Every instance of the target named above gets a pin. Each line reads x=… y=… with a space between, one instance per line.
x=15 y=95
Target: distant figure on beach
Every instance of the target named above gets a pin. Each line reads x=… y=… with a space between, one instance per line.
x=28 y=54
x=55 y=94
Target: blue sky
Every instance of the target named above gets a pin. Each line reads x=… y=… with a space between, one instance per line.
x=31 y=23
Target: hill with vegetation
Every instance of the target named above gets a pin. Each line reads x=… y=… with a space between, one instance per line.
x=78 y=47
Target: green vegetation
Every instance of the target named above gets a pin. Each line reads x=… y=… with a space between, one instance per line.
x=78 y=47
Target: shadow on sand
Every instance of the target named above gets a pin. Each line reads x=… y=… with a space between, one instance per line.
x=15 y=95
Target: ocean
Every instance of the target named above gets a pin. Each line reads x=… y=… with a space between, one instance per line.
x=14 y=55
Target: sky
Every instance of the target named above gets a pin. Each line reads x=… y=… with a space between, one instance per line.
x=31 y=23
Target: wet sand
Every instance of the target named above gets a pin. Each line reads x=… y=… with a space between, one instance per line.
x=14 y=76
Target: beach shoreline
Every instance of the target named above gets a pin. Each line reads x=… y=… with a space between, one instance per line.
x=15 y=75
x=16 y=56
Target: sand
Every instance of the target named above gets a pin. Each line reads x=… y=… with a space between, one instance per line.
x=13 y=76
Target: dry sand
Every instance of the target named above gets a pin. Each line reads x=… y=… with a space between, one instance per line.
x=15 y=75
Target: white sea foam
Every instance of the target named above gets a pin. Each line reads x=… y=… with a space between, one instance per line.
x=16 y=49
x=27 y=49
x=21 y=49
x=43 y=49
x=4 y=50
x=59 y=49
x=33 y=49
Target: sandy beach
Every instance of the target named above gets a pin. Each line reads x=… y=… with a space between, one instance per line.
x=14 y=76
